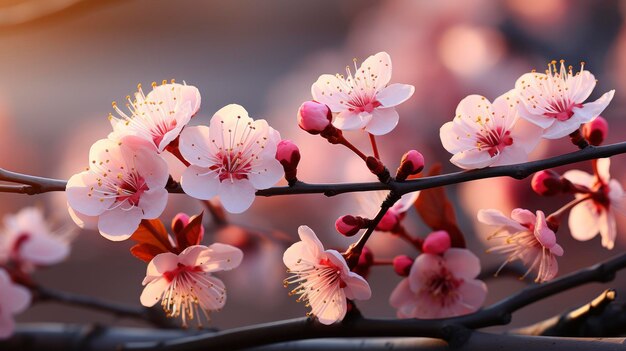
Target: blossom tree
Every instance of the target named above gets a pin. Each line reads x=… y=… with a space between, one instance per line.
x=234 y=158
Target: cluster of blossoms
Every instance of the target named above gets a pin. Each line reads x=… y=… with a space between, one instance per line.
x=26 y=242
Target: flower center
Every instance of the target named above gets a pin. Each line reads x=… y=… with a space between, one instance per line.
x=494 y=140
x=443 y=287
x=233 y=165
x=561 y=110
x=131 y=189
x=180 y=271
x=600 y=195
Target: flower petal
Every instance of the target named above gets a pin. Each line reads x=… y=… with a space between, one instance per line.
x=348 y=120
x=462 y=263
x=579 y=177
x=236 y=195
x=591 y=110
x=583 y=221
x=266 y=173
x=195 y=147
x=197 y=183
x=119 y=224
x=395 y=94
x=220 y=257
x=82 y=220
x=153 y=291
x=44 y=250
x=383 y=121
x=357 y=287
x=80 y=195
x=332 y=91
x=153 y=202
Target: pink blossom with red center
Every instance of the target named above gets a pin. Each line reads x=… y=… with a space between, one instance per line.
x=597 y=215
x=526 y=237
x=159 y=117
x=483 y=134
x=15 y=299
x=231 y=158
x=555 y=100
x=184 y=283
x=125 y=183
x=322 y=278
x=440 y=286
x=363 y=100
x=28 y=241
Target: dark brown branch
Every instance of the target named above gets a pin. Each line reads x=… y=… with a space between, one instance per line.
x=38 y=185
x=451 y=329
x=153 y=316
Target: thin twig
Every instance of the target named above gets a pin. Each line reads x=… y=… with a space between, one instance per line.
x=38 y=185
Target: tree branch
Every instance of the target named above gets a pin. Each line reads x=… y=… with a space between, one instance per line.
x=37 y=185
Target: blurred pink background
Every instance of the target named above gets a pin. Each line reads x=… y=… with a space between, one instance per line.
x=63 y=63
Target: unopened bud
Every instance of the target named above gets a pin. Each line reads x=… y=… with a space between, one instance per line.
x=288 y=154
x=402 y=265
x=412 y=163
x=547 y=183
x=350 y=225
x=389 y=222
x=365 y=262
x=596 y=131
x=314 y=117
x=436 y=243
x=378 y=168
x=179 y=222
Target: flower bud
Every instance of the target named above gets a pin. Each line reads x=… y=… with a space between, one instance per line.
x=389 y=222
x=179 y=222
x=314 y=117
x=288 y=154
x=402 y=265
x=350 y=225
x=378 y=168
x=436 y=243
x=412 y=163
x=365 y=262
x=596 y=131
x=547 y=183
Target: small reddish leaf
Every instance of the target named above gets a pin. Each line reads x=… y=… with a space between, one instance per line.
x=437 y=211
x=192 y=233
x=153 y=232
x=145 y=252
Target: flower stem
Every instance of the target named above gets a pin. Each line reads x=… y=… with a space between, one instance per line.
x=374 y=146
x=554 y=218
x=354 y=149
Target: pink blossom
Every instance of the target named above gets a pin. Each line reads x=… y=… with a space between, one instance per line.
x=596 y=215
x=28 y=240
x=158 y=117
x=184 y=284
x=440 y=286
x=370 y=204
x=322 y=277
x=526 y=237
x=554 y=100
x=363 y=100
x=15 y=299
x=483 y=134
x=437 y=242
x=314 y=117
x=231 y=158
x=125 y=183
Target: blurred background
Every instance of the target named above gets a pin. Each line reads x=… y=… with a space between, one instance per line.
x=62 y=62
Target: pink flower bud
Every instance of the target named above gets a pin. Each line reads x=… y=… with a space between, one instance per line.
x=288 y=154
x=412 y=163
x=547 y=183
x=389 y=222
x=179 y=222
x=596 y=131
x=436 y=243
x=365 y=262
x=402 y=265
x=314 y=117
x=350 y=225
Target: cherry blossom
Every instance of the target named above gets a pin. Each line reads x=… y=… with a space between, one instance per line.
x=322 y=277
x=526 y=237
x=596 y=215
x=363 y=100
x=555 y=100
x=231 y=158
x=184 y=284
x=28 y=241
x=15 y=299
x=125 y=183
x=370 y=204
x=158 y=117
x=483 y=134
x=440 y=286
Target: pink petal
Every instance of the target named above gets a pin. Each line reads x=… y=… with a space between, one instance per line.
x=424 y=266
x=266 y=173
x=395 y=94
x=523 y=216
x=347 y=120
x=153 y=202
x=602 y=166
x=405 y=202
x=559 y=129
x=579 y=177
x=591 y=110
x=473 y=159
x=357 y=287
x=383 y=121
x=379 y=66
x=462 y=263
x=526 y=135
x=182 y=118
x=496 y=218
x=83 y=221
x=78 y=189
x=307 y=235
x=584 y=223
x=196 y=183
x=220 y=257
x=195 y=147
x=7 y=326
x=329 y=308
x=148 y=164
x=327 y=91
x=236 y=195
x=119 y=224
x=213 y=298
x=537 y=118
x=153 y=291
x=543 y=233
x=472 y=296
x=453 y=140
x=608 y=229
x=580 y=86
x=511 y=155
x=160 y=264
x=44 y=250
x=403 y=299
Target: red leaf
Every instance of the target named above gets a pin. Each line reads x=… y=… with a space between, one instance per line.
x=192 y=233
x=153 y=232
x=145 y=252
x=437 y=211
